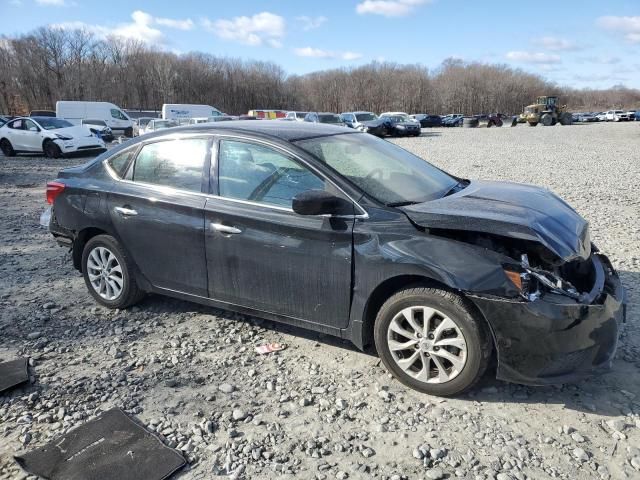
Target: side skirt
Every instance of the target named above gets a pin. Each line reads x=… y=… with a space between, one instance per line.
x=297 y=322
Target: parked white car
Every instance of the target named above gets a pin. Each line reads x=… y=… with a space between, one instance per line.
x=52 y=136
x=157 y=124
x=195 y=121
x=616 y=116
x=295 y=116
x=139 y=124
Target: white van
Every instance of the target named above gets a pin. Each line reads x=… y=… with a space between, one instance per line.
x=112 y=115
x=177 y=111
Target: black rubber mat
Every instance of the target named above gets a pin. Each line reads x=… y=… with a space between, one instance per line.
x=13 y=373
x=111 y=447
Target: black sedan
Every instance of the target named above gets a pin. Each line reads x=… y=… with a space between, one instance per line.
x=340 y=232
x=392 y=126
x=427 y=121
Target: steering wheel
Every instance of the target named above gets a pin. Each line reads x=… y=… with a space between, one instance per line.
x=373 y=173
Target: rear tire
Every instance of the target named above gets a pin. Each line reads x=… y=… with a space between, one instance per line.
x=109 y=273
x=51 y=150
x=454 y=344
x=7 y=148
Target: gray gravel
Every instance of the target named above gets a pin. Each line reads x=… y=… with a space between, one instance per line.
x=320 y=409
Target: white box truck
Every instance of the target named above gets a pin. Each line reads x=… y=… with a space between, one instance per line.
x=113 y=116
x=177 y=111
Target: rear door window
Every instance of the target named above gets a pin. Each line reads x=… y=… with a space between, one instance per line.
x=173 y=163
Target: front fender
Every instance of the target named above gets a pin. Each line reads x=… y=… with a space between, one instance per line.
x=394 y=247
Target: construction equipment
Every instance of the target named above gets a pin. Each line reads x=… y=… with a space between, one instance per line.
x=545 y=111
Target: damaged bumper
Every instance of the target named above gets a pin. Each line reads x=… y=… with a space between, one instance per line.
x=556 y=339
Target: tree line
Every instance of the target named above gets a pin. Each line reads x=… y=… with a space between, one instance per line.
x=51 y=64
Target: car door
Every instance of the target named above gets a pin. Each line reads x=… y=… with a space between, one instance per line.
x=261 y=254
x=33 y=136
x=158 y=212
x=16 y=134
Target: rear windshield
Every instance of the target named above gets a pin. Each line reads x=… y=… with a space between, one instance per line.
x=365 y=117
x=329 y=118
x=165 y=124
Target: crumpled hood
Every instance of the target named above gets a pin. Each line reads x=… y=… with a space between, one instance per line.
x=75 y=131
x=511 y=210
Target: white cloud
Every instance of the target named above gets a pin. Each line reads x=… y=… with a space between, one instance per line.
x=256 y=30
x=557 y=44
x=311 y=23
x=52 y=3
x=318 y=53
x=389 y=8
x=173 y=23
x=627 y=26
x=538 y=58
x=142 y=28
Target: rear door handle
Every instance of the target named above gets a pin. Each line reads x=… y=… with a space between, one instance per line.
x=218 y=227
x=127 y=212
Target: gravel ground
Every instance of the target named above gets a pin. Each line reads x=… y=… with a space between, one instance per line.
x=320 y=408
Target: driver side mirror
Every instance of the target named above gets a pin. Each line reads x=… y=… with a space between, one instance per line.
x=34 y=129
x=319 y=202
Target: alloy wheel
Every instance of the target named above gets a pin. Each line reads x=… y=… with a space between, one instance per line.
x=427 y=344
x=105 y=273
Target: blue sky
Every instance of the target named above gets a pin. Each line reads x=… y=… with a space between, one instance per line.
x=580 y=43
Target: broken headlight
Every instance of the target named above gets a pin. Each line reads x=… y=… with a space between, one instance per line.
x=523 y=283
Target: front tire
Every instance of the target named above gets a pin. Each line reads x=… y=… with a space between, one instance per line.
x=51 y=150
x=109 y=273
x=7 y=148
x=432 y=341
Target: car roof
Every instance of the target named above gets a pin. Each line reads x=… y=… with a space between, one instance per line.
x=288 y=131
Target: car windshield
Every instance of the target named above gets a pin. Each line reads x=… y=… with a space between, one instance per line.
x=365 y=117
x=52 y=123
x=301 y=114
x=329 y=118
x=144 y=121
x=381 y=169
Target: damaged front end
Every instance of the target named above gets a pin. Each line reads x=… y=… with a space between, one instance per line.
x=561 y=317
x=566 y=320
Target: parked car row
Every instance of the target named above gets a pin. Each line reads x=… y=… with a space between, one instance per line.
x=608 y=116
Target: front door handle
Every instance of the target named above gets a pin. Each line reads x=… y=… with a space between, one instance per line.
x=218 y=227
x=127 y=212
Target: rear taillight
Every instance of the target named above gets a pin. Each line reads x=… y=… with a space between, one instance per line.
x=53 y=190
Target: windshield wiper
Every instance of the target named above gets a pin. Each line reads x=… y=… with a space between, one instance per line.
x=401 y=204
x=456 y=188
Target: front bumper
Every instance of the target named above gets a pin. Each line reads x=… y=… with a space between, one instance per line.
x=81 y=144
x=555 y=339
